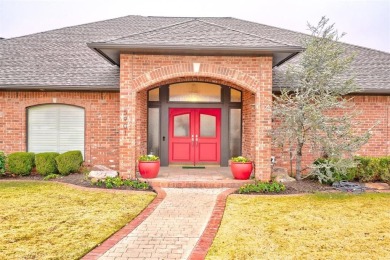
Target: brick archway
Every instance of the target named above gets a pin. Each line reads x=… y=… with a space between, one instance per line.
x=141 y=72
x=233 y=77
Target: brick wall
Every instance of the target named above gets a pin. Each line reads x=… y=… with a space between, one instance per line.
x=375 y=110
x=142 y=72
x=103 y=118
x=101 y=121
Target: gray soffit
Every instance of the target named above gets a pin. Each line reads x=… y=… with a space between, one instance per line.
x=196 y=37
x=112 y=52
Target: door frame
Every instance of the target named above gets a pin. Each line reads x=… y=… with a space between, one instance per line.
x=164 y=106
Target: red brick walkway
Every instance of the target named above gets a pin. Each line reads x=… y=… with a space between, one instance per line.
x=118 y=236
x=205 y=241
x=184 y=222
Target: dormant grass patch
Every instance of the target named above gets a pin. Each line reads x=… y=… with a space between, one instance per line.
x=321 y=226
x=51 y=221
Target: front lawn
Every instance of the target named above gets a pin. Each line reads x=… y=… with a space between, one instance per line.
x=51 y=221
x=323 y=226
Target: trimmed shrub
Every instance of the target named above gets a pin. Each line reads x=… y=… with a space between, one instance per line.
x=3 y=158
x=262 y=187
x=20 y=163
x=117 y=182
x=372 y=169
x=46 y=163
x=69 y=162
x=365 y=169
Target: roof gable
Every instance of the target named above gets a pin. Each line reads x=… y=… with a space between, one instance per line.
x=196 y=37
x=198 y=33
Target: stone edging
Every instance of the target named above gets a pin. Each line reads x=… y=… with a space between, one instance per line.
x=119 y=235
x=204 y=243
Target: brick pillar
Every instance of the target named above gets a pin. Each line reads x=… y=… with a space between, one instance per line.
x=127 y=126
x=262 y=137
x=263 y=119
x=127 y=133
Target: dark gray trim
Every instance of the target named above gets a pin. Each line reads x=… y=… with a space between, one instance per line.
x=285 y=59
x=164 y=122
x=194 y=48
x=111 y=52
x=29 y=87
x=386 y=92
x=225 y=151
x=105 y=56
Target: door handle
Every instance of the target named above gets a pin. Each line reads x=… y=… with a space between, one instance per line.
x=196 y=139
x=192 y=139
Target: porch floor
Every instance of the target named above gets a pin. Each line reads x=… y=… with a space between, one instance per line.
x=209 y=177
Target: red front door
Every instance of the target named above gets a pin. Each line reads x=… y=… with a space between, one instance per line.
x=194 y=135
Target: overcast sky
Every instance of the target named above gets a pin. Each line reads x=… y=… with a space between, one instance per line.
x=366 y=22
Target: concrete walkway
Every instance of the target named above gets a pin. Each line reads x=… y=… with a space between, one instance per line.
x=172 y=230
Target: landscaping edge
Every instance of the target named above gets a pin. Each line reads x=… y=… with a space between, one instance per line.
x=127 y=229
x=206 y=239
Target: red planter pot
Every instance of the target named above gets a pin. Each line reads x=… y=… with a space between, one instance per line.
x=149 y=169
x=241 y=171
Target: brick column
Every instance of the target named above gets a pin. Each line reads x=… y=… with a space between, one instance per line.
x=262 y=138
x=127 y=126
x=127 y=134
x=263 y=119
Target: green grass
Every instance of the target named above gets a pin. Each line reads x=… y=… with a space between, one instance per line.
x=323 y=226
x=52 y=221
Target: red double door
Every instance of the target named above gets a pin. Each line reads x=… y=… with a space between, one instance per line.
x=194 y=136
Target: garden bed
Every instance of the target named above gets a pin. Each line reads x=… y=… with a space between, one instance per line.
x=78 y=179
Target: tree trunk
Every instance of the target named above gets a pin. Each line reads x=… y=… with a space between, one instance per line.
x=298 y=166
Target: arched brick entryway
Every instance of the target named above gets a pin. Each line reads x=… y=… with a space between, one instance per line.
x=141 y=72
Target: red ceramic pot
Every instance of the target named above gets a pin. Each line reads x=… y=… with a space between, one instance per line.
x=241 y=170
x=149 y=169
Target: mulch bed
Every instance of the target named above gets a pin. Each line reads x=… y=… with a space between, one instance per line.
x=299 y=187
x=75 y=178
x=304 y=186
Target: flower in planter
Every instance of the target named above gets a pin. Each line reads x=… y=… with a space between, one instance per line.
x=149 y=165
x=240 y=159
x=148 y=158
x=241 y=167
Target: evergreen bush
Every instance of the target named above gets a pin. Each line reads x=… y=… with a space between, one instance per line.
x=46 y=163
x=3 y=158
x=21 y=163
x=371 y=169
x=366 y=169
x=69 y=162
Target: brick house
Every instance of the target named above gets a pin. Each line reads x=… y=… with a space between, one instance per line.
x=191 y=90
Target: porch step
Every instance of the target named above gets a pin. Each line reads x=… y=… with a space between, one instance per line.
x=157 y=182
x=209 y=177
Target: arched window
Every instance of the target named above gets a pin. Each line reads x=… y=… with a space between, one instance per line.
x=55 y=128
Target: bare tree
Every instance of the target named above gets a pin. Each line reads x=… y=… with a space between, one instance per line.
x=313 y=110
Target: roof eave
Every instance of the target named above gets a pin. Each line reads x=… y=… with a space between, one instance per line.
x=111 y=52
x=365 y=91
x=28 y=87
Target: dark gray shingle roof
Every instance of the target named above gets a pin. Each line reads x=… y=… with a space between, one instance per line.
x=61 y=58
x=198 y=33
